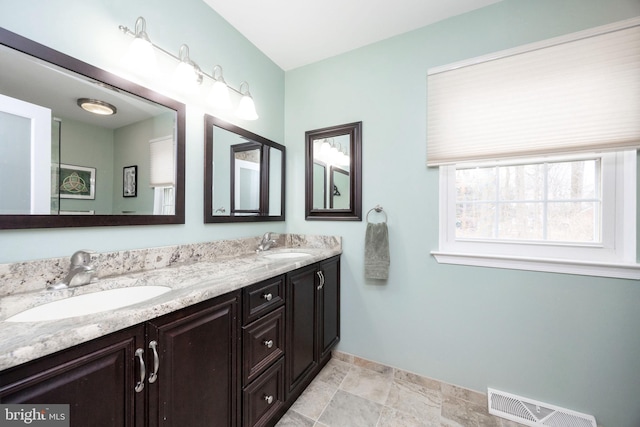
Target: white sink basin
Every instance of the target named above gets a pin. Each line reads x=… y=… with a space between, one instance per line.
x=286 y=255
x=95 y=302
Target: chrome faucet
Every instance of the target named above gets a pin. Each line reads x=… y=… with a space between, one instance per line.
x=81 y=271
x=266 y=242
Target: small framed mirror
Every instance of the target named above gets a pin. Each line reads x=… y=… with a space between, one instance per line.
x=244 y=175
x=334 y=173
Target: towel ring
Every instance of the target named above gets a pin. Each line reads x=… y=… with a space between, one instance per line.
x=378 y=209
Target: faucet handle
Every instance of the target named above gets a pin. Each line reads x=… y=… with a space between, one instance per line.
x=82 y=257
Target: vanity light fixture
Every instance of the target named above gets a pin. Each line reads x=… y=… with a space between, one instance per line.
x=219 y=95
x=247 y=109
x=326 y=145
x=338 y=156
x=141 y=55
x=188 y=74
x=96 y=106
x=331 y=152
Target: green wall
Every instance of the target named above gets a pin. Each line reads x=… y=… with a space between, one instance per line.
x=568 y=340
x=89 y=146
x=132 y=149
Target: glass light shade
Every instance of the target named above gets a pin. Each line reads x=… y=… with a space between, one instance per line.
x=219 y=95
x=246 y=108
x=325 y=147
x=334 y=155
x=186 y=78
x=141 y=57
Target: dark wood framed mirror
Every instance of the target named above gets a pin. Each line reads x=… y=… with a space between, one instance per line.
x=61 y=166
x=334 y=173
x=244 y=175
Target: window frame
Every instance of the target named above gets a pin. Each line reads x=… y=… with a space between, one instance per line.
x=614 y=257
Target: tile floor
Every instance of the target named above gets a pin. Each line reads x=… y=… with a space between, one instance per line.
x=354 y=392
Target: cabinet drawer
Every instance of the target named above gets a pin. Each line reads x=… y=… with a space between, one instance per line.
x=264 y=397
x=262 y=297
x=263 y=343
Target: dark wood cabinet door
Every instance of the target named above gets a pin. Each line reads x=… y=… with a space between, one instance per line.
x=197 y=383
x=96 y=379
x=301 y=320
x=329 y=306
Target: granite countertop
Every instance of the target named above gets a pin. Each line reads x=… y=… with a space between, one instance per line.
x=191 y=281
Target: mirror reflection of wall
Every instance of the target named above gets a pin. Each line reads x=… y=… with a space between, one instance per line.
x=109 y=151
x=42 y=97
x=276 y=181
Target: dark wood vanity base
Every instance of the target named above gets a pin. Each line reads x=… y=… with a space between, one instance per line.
x=239 y=359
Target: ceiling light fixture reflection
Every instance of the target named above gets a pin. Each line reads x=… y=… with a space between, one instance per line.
x=96 y=106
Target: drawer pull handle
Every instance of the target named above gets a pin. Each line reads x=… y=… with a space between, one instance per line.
x=268 y=343
x=268 y=399
x=321 y=277
x=143 y=373
x=156 y=362
x=267 y=297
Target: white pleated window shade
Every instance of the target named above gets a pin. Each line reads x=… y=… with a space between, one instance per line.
x=162 y=168
x=579 y=93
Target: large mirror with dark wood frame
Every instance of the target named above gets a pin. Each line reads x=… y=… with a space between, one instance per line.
x=81 y=147
x=244 y=175
x=333 y=173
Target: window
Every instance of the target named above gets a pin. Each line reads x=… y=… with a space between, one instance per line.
x=163 y=201
x=558 y=201
x=570 y=214
x=162 y=152
x=537 y=154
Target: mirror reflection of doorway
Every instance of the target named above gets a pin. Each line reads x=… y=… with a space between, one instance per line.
x=319 y=185
x=340 y=184
x=247 y=191
x=25 y=150
x=246 y=180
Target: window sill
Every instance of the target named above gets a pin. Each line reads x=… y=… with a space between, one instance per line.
x=620 y=271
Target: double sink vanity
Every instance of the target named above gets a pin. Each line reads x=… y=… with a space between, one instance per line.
x=213 y=334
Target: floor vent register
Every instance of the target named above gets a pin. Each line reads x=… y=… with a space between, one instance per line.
x=533 y=413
